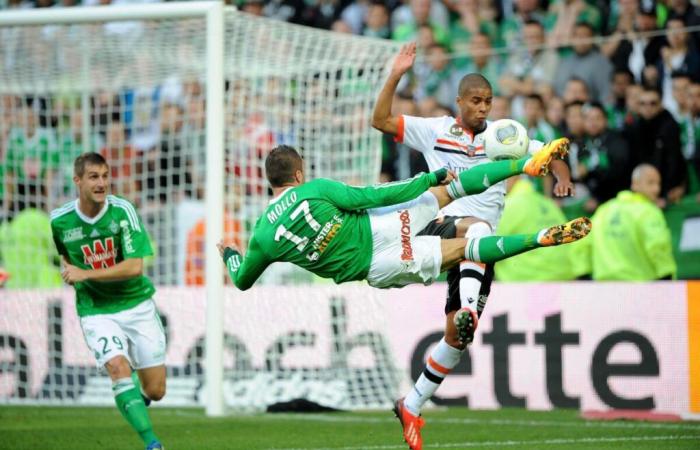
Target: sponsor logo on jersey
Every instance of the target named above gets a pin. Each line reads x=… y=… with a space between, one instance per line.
x=126 y=236
x=325 y=236
x=74 y=234
x=407 y=249
x=456 y=130
x=499 y=244
x=113 y=227
x=100 y=255
x=94 y=233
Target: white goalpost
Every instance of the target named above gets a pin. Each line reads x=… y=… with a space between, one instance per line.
x=212 y=14
x=184 y=100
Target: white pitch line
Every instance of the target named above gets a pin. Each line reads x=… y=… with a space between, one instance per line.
x=508 y=422
x=511 y=443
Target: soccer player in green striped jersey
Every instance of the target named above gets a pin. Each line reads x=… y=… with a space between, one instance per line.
x=369 y=233
x=103 y=242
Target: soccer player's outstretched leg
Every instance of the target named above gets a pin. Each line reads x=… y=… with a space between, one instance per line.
x=103 y=242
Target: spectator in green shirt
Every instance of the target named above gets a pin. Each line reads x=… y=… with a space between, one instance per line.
x=27 y=252
x=565 y=14
x=472 y=20
x=30 y=160
x=690 y=138
x=420 y=10
x=630 y=240
x=530 y=69
x=535 y=122
x=540 y=130
x=482 y=60
x=512 y=27
x=71 y=144
x=439 y=78
x=616 y=108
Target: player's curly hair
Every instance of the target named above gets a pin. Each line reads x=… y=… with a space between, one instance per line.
x=281 y=165
x=89 y=158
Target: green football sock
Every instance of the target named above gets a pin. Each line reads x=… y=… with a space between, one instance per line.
x=490 y=249
x=137 y=383
x=129 y=402
x=136 y=380
x=477 y=179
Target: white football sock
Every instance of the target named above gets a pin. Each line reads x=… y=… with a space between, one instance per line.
x=471 y=273
x=441 y=361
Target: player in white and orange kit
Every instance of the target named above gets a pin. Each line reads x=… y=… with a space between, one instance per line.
x=455 y=143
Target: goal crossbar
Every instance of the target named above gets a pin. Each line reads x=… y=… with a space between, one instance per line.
x=55 y=16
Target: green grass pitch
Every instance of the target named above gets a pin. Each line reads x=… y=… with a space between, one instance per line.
x=455 y=428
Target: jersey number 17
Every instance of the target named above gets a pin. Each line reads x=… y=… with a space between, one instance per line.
x=299 y=241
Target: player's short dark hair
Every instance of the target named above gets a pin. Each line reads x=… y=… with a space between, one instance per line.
x=89 y=158
x=473 y=81
x=281 y=165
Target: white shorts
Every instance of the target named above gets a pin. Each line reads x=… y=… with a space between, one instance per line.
x=135 y=333
x=399 y=257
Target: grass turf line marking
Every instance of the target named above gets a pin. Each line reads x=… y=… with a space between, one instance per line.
x=527 y=423
x=511 y=443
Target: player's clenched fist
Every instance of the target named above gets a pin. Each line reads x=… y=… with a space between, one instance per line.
x=223 y=246
x=72 y=274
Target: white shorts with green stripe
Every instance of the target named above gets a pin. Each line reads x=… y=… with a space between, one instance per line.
x=399 y=257
x=135 y=333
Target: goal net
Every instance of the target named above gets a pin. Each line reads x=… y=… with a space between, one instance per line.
x=135 y=91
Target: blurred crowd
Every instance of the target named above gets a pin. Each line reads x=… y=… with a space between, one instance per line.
x=619 y=78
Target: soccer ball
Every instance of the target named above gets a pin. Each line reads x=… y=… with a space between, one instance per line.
x=505 y=139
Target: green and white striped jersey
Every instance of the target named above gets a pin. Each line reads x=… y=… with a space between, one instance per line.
x=90 y=243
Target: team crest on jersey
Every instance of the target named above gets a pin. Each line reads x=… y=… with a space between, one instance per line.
x=101 y=254
x=471 y=149
x=113 y=227
x=74 y=234
x=456 y=130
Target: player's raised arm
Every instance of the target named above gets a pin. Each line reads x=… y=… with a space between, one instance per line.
x=382 y=119
x=355 y=198
x=559 y=169
x=244 y=271
x=563 y=187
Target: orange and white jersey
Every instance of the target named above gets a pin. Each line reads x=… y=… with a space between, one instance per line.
x=445 y=143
